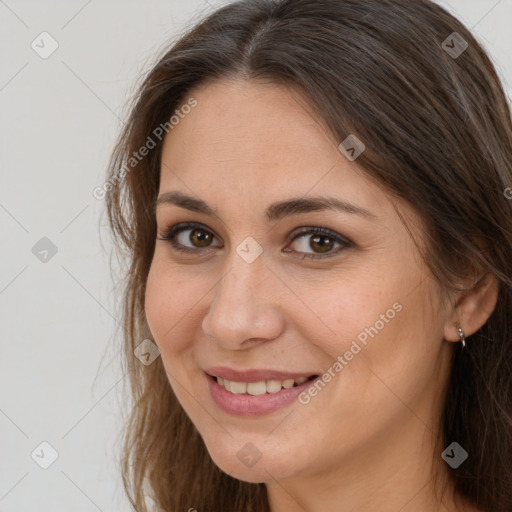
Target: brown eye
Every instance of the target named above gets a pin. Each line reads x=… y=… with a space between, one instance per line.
x=200 y=238
x=321 y=243
x=189 y=237
x=318 y=243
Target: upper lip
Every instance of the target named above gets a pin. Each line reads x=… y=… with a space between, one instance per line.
x=253 y=375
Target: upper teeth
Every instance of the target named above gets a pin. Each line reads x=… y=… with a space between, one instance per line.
x=261 y=387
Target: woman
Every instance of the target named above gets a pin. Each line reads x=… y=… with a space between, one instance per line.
x=313 y=197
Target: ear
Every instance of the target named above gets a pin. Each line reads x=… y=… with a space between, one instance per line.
x=472 y=308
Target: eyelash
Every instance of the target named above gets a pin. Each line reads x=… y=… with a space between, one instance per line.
x=170 y=234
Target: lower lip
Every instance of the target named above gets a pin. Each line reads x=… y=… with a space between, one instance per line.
x=248 y=405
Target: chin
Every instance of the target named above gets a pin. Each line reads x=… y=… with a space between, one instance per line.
x=245 y=461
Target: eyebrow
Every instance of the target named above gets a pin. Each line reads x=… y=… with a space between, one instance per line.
x=275 y=211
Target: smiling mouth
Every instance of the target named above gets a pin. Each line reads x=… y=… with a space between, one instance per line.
x=261 y=387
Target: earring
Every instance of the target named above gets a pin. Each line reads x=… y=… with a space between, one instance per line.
x=461 y=336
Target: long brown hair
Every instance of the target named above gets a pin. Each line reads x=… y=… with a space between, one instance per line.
x=438 y=134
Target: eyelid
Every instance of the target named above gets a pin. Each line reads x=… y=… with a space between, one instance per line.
x=305 y=230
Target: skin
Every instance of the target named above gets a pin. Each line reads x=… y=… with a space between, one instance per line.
x=367 y=441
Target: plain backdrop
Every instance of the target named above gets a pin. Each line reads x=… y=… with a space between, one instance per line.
x=60 y=378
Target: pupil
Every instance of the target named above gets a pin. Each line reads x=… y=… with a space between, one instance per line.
x=201 y=237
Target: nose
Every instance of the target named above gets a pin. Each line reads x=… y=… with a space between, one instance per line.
x=245 y=309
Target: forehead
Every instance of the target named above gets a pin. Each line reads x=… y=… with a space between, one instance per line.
x=253 y=138
x=247 y=118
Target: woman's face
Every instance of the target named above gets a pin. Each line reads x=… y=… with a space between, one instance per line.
x=263 y=296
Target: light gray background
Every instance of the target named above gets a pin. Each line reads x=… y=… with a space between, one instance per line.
x=60 y=378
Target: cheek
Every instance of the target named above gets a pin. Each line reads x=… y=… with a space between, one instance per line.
x=169 y=304
x=382 y=329
x=155 y=302
x=394 y=353
x=166 y=303
x=353 y=311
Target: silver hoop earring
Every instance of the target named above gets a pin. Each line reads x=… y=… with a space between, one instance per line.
x=462 y=338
